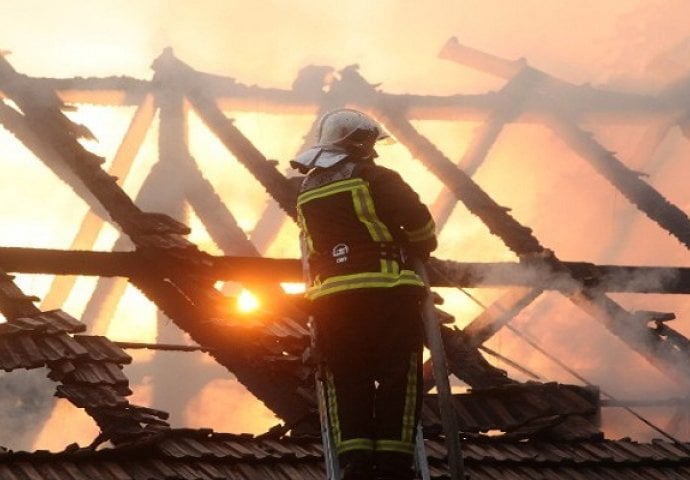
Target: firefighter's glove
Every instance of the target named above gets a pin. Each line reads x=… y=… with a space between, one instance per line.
x=438 y=299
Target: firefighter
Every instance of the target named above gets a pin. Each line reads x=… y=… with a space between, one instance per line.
x=360 y=224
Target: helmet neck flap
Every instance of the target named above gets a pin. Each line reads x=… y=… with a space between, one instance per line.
x=342 y=133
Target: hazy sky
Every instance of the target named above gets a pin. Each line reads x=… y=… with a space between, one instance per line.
x=266 y=42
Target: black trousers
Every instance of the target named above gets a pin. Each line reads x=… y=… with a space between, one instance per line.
x=371 y=341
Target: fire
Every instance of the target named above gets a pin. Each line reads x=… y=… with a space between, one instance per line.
x=293 y=288
x=247 y=302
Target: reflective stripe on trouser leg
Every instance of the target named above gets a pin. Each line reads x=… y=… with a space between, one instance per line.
x=332 y=402
x=341 y=445
x=409 y=418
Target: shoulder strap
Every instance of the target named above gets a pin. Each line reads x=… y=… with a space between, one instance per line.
x=318 y=177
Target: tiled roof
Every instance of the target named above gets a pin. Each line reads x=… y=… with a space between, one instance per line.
x=205 y=455
x=88 y=369
x=526 y=411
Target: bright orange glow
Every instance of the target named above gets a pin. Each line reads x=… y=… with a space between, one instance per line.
x=293 y=288
x=227 y=406
x=66 y=424
x=247 y=302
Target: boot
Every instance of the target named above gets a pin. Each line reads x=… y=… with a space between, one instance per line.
x=394 y=466
x=357 y=465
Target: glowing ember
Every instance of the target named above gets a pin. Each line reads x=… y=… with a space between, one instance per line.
x=247 y=302
x=293 y=288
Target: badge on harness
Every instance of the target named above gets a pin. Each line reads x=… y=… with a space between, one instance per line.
x=340 y=253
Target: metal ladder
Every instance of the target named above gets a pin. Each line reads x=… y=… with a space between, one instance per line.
x=432 y=329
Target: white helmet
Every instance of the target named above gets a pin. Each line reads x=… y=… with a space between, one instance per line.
x=341 y=133
x=338 y=127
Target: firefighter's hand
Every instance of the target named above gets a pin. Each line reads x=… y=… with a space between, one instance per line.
x=438 y=299
x=422 y=254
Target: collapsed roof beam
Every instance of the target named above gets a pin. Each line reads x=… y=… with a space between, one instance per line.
x=513 y=97
x=580 y=99
x=562 y=120
x=230 y=95
x=158 y=238
x=646 y=341
x=91 y=225
x=444 y=273
x=170 y=69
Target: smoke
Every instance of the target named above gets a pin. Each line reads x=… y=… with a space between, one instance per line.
x=226 y=406
x=640 y=45
x=25 y=397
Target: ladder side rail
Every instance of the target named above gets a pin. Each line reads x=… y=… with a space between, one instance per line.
x=438 y=357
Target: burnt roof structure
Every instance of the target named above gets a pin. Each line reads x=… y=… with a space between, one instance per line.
x=549 y=428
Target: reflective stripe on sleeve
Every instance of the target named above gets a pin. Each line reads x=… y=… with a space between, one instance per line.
x=423 y=233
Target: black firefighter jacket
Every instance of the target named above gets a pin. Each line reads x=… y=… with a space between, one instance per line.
x=360 y=222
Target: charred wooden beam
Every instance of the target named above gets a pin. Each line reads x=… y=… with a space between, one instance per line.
x=265 y=171
x=19 y=125
x=216 y=217
x=579 y=99
x=91 y=224
x=277 y=185
x=645 y=197
x=519 y=238
x=605 y=278
x=513 y=97
x=562 y=120
x=466 y=363
x=43 y=112
x=650 y=164
x=231 y=95
x=120 y=90
x=444 y=273
x=500 y=312
x=272 y=219
x=158 y=238
x=662 y=402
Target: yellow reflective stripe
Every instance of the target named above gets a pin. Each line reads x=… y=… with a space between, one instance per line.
x=305 y=231
x=389 y=266
x=385 y=265
x=364 y=208
x=362 y=280
x=332 y=405
x=330 y=189
x=408 y=420
x=394 y=446
x=420 y=234
x=355 y=444
x=362 y=202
